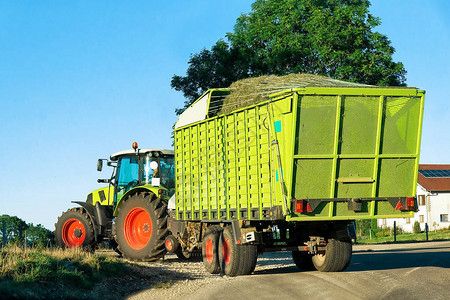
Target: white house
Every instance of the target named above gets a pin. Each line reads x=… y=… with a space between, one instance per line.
x=433 y=195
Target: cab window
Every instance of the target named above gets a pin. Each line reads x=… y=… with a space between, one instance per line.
x=128 y=175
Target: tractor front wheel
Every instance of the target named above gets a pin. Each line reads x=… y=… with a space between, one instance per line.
x=75 y=229
x=141 y=227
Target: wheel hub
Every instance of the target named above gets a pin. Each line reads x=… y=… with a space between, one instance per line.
x=73 y=233
x=77 y=233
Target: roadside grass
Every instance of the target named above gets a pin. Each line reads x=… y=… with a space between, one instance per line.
x=57 y=273
x=408 y=237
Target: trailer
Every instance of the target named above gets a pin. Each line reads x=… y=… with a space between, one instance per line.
x=293 y=170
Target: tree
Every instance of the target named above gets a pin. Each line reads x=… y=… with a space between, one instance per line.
x=334 y=38
x=15 y=231
x=39 y=236
x=15 y=227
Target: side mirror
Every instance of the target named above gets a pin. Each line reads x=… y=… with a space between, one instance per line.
x=103 y=180
x=99 y=164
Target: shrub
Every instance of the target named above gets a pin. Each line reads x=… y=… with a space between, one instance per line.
x=416 y=228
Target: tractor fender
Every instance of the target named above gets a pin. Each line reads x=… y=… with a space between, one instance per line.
x=91 y=211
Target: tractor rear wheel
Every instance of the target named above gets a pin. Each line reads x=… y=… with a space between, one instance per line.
x=141 y=227
x=336 y=258
x=75 y=228
x=210 y=247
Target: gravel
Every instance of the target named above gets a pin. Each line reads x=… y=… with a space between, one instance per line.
x=188 y=277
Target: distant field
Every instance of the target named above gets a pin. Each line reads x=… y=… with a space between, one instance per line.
x=439 y=235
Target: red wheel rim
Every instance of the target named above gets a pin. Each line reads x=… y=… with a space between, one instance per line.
x=226 y=251
x=209 y=250
x=137 y=228
x=169 y=245
x=73 y=233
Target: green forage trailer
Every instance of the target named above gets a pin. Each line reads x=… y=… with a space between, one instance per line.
x=288 y=163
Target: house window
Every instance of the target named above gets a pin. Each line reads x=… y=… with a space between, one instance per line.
x=444 y=218
x=421 y=219
x=408 y=220
x=421 y=199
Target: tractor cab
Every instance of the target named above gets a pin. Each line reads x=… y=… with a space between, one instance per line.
x=152 y=169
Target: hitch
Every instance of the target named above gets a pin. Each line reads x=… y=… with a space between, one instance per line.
x=315 y=244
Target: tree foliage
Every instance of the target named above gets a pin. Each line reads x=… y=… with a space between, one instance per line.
x=16 y=229
x=334 y=38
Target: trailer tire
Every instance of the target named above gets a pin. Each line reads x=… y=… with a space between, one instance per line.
x=142 y=227
x=75 y=228
x=303 y=260
x=230 y=254
x=210 y=245
x=336 y=258
x=250 y=256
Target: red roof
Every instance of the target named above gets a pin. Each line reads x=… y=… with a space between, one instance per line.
x=434 y=184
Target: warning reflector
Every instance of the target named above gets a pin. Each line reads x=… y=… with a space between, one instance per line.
x=399 y=205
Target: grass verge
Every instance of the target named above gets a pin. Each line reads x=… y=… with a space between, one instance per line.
x=409 y=237
x=53 y=273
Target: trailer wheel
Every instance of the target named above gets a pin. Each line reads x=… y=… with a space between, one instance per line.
x=303 y=260
x=250 y=256
x=210 y=251
x=229 y=253
x=336 y=258
x=75 y=228
x=142 y=227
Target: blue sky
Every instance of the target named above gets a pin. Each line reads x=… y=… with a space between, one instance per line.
x=82 y=80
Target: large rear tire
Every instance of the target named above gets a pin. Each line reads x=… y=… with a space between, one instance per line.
x=210 y=252
x=74 y=229
x=141 y=227
x=336 y=258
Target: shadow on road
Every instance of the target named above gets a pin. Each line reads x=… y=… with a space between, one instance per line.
x=367 y=260
x=400 y=258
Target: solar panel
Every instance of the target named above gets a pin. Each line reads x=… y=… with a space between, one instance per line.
x=435 y=173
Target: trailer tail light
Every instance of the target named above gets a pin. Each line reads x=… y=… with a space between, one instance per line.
x=410 y=203
x=302 y=206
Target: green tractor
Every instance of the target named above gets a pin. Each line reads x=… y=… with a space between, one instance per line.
x=131 y=212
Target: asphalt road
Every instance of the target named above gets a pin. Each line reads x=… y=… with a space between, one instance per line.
x=401 y=271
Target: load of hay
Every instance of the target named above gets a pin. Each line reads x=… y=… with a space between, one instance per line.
x=249 y=91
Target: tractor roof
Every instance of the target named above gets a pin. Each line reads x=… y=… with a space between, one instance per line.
x=116 y=155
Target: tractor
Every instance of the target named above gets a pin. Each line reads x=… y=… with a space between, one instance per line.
x=131 y=212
